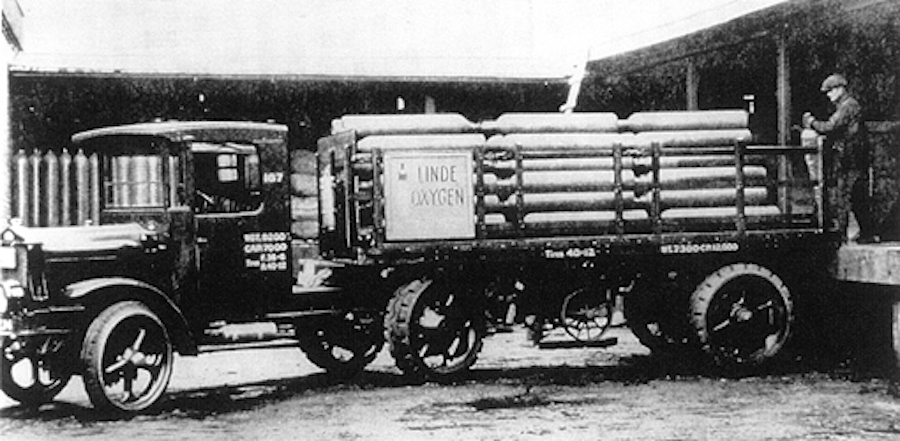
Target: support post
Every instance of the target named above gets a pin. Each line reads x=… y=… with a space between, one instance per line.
x=783 y=87
x=895 y=329
x=692 y=86
x=430 y=104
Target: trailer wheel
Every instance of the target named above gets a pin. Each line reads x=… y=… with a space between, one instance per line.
x=33 y=372
x=127 y=356
x=586 y=314
x=343 y=345
x=659 y=319
x=432 y=332
x=742 y=314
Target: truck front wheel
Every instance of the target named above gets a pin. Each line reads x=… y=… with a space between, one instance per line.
x=432 y=331
x=33 y=371
x=127 y=356
x=742 y=314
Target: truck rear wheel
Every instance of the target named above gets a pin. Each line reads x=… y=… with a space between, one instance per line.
x=432 y=332
x=33 y=371
x=659 y=319
x=343 y=345
x=742 y=314
x=127 y=356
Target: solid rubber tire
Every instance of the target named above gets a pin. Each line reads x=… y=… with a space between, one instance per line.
x=94 y=346
x=706 y=293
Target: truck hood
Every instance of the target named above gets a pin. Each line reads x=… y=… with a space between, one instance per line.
x=85 y=238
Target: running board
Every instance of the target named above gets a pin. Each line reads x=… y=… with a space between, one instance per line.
x=605 y=343
x=283 y=342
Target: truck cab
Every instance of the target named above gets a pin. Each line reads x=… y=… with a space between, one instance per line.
x=182 y=227
x=217 y=191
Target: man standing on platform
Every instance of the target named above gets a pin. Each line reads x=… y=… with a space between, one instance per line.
x=847 y=170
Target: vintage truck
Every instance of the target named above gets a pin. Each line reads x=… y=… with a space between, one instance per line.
x=428 y=230
x=191 y=232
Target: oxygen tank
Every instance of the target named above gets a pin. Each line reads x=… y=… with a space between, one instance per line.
x=686 y=120
x=554 y=123
x=366 y=125
x=809 y=138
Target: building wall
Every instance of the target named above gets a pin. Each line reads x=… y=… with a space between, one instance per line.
x=12 y=18
x=48 y=109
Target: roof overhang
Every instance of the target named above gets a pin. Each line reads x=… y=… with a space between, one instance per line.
x=13 y=20
x=178 y=131
x=765 y=23
x=26 y=70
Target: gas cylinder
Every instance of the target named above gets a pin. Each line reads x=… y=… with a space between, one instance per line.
x=809 y=138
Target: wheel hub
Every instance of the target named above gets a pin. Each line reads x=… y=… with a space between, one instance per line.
x=431 y=319
x=131 y=356
x=741 y=314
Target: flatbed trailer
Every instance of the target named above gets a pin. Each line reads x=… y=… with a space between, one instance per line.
x=709 y=239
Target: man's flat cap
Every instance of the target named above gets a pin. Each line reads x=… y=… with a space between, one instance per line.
x=833 y=80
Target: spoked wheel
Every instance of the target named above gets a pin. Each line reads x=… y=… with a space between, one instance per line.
x=742 y=314
x=431 y=331
x=586 y=314
x=128 y=358
x=659 y=320
x=34 y=371
x=341 y=345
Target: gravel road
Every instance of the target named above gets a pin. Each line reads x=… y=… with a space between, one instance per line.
x=515 y=392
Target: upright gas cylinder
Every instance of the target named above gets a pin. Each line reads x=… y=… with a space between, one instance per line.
x=809 y=138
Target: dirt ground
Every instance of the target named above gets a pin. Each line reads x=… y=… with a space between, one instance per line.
x=514 y=392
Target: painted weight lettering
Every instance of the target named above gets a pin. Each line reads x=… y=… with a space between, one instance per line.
x=266 y=251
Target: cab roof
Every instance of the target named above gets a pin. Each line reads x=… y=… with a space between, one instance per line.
x=178 y=131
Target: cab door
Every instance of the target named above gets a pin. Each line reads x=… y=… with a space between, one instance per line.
x=228 y=205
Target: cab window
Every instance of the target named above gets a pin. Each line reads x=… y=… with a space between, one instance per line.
x=226 y=178
x=135 y=179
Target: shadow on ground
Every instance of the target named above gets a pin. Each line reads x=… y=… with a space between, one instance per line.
x=634 y=370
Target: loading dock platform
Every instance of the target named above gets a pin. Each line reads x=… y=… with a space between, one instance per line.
x=877 y=264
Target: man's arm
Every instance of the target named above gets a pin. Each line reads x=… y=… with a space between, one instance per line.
x=842 y=117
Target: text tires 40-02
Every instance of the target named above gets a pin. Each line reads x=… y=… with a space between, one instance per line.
x=742 y=314
x=432 y=330
x=127 y=356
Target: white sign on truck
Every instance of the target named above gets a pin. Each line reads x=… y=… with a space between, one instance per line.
x=428 y=195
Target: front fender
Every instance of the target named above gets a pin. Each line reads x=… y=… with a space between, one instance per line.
x=97 y=294
x=85 y=288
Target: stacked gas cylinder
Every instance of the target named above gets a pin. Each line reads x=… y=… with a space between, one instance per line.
x=543 y=171
x=304 y=195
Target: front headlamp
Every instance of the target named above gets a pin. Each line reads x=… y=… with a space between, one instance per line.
x=9 y=289
x=4 y=301
x=13 y=289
